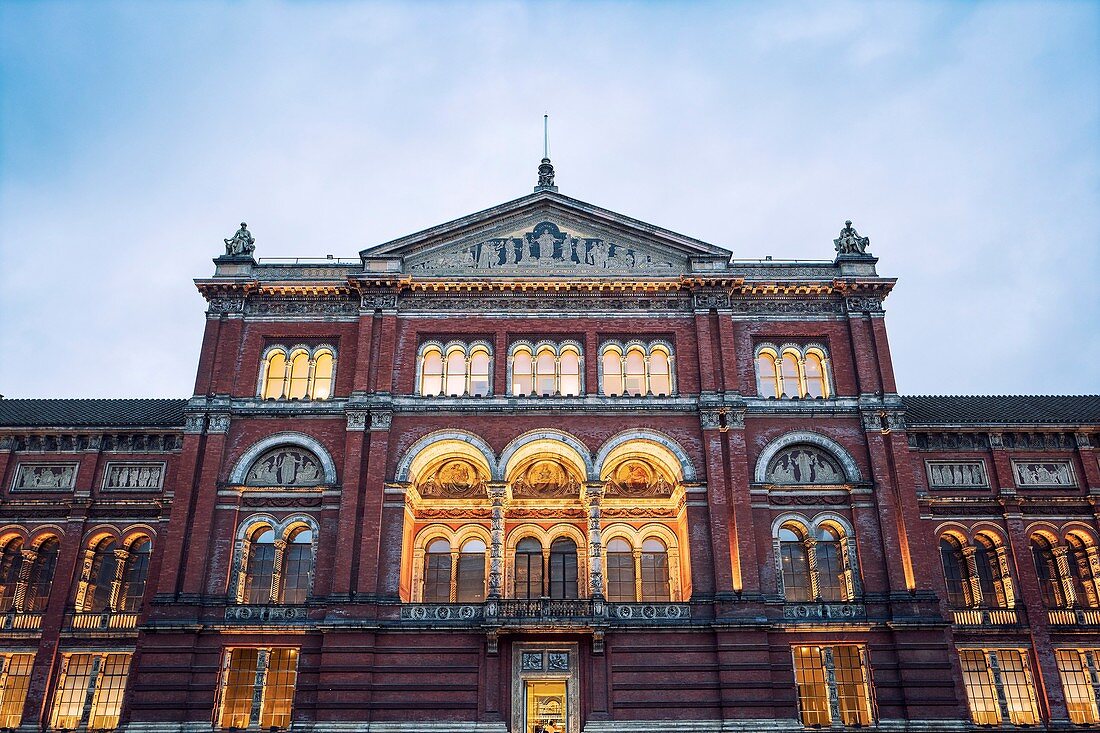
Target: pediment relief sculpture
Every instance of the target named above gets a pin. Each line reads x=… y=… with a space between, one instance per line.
x=454 y=479
x=546 y=248
x=804 y=464
x=637 y=479
x=545 y=479
x=285 y=466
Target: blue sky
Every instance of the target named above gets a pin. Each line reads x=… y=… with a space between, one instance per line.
x=963 y=138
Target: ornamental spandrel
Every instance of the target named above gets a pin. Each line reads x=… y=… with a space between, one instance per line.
x=804 y=464
x=285 y=466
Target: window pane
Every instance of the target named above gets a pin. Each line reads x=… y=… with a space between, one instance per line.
x=41 y=578
x=796 y=572
x=570 y=374
x=72 y=691
x=528 y=569
x=1016 y=677
x=620 y=575
x=322 y=376
x=987 y=576
x=815 y=376
x=635 y=372
x=563 y=569
x=17 y=674
x=1046 y=568
x=789 y=371
x=437 y=576
x=278 y=693
x=952 y=560
x=545 y=373
x=980 y=692
x=851 y=686
x=1081 y=572
x=137 y=569
x=479 y=373
x=11 y=562
x=238 y=682
x=260 y=569
x=830 y=571
x=102 y=577
x=813 y=693
x=1076 y=683
x=110 y=687
x=660 y=382
x=297 y=566
x=655 y=576
x=522 y=383
x=456 y=374
x=299 y=375
x=274 y=375
x=431 y=382
x=767 y=385
x=471 y=574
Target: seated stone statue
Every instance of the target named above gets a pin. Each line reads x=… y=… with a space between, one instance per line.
x=241 y=243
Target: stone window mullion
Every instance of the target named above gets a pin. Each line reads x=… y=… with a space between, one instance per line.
x=645 y=369
x=277 y=570
x=1065 y=577
x=89 y=692
x=85 y=578
x=1094 y=678
x=122 y=558
x=262 y=661
x=851 y=569
x=240 y=570
x=453 y=591
x=811 y=562
x=1092 y=557
x=777 y=553
x=418 y=574
x=469 y=376
x=546 y=570
x=998 y=684
x=287 y=370
x=30 y=556
x=636 y=553
x=829 y=665
x=973 y=583
x=311 y=375
x=1008 y=589
x=593 y=498
x=803 y=387
x=497 y=495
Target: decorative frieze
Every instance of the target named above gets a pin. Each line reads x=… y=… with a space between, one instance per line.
x=291 y=307
x=285 y=466
x=218 y=423
x=225 y=305
x=357 y=420
x=1043 y=474
x=381 y=419
x=786 y=307
x=124 y=443
x=194 y=424
x=711 y=300
x=440 y=612
x=649 y=611
x=949 y=441
x=133 y=476
x=547 y=303
x=957 y=474
x=822 y=611
x=45 y=476
x=860 y=304
x=266 y=613
x=378 y=301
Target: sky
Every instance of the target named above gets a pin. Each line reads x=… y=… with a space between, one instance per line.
x=962 y=138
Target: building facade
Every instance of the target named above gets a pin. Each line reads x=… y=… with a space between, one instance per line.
x=547 y=468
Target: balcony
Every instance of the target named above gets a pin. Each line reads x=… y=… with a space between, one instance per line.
x=546 y=612
x=1073 y=617
x=15 y=621
x=266 y=614
x=101 y=621
x=824 y=612
x=988 y=617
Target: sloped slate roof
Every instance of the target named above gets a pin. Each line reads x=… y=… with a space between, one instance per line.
x=1002 y=410
x=123 y=413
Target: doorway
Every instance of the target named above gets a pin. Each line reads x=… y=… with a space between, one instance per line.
x=545 y=688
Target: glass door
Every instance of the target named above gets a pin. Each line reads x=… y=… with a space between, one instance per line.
x=547 y=707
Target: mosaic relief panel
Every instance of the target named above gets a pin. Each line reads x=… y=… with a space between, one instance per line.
x=545 y=480
x=804 y=464
x=285 y=466
x=134 y=476
x=456 y=479
x=635 y=478
x=33 y=476
x=1043 y=474
x=957 y=474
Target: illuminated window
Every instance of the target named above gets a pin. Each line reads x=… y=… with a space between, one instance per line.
x=954 y=573
x=301 y=374
x=637 y=370
x=41 y=576
x=1080 y=683
x=257 y=688
x=455 y=376
x=830 y=565
x=834 y=685
x=998 y=685
x=260 y=568
x=620 y=571
x=15 y=674
x=637 y=574
x=456 y=370
x=479 y=373
x=437 y=572
x=431 y=379
x=797 y=371
x=654 y=571
x=101 y=577
x=796 y=566
x=297 y=566
x=470 y=585
x=991 y=582
x=546 y=377
x=134 y=575
x=563 y=568
x=1046 y=568
x=528 y=569
x=276 y=567
x=546 y=369
x=89 y=691
x=570 y=367
x=11 y=565
x=1084 y=584
x=523 y=380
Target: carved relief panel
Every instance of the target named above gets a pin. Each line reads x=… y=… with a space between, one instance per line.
x=1043 y=474
x=454 y=479
x=133 y=476
x=804 y=464
x=957 y=474
x=545 y=479
x=636 y=479
x=285 y=466
x=45 y=476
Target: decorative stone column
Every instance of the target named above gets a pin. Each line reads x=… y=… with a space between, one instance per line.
x=1004 y=565
x=277 y=570
x=1065 y=575
x=498 y=496
x=122 y=557
x=593 y=496
x=973 y=583
x=811 y=563
x=30 y=556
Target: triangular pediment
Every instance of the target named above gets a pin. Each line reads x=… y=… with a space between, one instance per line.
x=548 y=234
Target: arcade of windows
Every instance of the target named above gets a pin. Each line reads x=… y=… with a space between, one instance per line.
x=456 y=369
x=817 y=563
x=274 y=563
x=834 y=685
x=256 y=688
x=999 y=686
x=297 y=373
x=793 y=372
x=546 y=369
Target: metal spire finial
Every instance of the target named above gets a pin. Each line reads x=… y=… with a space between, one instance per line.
x=546 y=170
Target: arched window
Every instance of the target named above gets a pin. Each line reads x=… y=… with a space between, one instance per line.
x=437 y=572
x=11 y=563
x=831 y=582
x=546 y=373
x=788 y=370
x=796 y=566
x=41 y=576
x=767 y=380
x=1084 y=585
x=470 y=587
x=431 y=378
x=297 y=566
x=563 y=568
x=322 y=375
x=635 y=372
x=274 y=375
x=1046 y=568
x=660 y=375
x=299 y=375
x=456 y=373
x=954 y=573
x=654 y=571
x=135 y=575
x=523 y=381
x=101 y=577
x=570 y=365
x=620 y=571
x=990 y=580
x=260 y=567
x=528 y=569
x=816 y=385
x=612 y=373
x=479 y=373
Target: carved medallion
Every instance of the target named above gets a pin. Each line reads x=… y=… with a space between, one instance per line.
x=635 y=478
x=286 y=466
x=455 y=479
x=545 y=480
x=804 y=464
